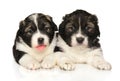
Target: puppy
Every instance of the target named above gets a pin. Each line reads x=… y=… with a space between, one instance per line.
x=78 y=40
x=35 y=40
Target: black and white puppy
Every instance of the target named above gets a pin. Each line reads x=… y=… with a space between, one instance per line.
x=78 y=40
x=35 y=40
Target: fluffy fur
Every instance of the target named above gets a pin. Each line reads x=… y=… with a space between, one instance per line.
x=79 y=41
x=35 y=30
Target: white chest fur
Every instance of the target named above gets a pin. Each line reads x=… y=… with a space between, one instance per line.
x=22 y=46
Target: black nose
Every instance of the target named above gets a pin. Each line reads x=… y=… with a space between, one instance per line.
x=80 y=39
x=40 y=40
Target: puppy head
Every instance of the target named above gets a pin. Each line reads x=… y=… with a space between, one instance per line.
x=80 y=28
x=37 y=30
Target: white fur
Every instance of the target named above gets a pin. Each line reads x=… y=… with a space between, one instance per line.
x=83 y=54
x=29 y=62
x=49 y=61
x=77 y=35
x=33 y=57
x=37 y=35
x=74 y=41
x=63 y=61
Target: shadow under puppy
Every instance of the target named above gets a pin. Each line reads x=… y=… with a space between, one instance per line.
x=35 y=40
x=78 y=41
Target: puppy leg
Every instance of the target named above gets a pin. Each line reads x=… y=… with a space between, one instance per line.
x=49 y=61
x=29 y=62
x=64 y=62
x=95 y=58
x=100 y=63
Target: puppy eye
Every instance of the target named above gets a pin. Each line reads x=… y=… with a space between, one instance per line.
x=90 y=29
x=48 y=29
x=29 y=31
x=87 y=28
x=70 y=29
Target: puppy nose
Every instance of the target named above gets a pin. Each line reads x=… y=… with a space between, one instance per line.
x=80 y=39
x=40 y=40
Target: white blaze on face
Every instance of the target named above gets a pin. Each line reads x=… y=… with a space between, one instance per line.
x=36 y=36
x=34 y=18
x=74 y=37
x=74 y=41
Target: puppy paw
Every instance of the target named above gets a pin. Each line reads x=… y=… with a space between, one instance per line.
x=67 y=66
x=29 y=62
x=47 y=64
x=102 y=65
x=33 y=66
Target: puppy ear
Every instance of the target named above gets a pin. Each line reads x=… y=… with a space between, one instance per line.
x=48 y=17
x=93 y=19
x=53 y=24
x=66 y=16
x=21 y=24
x=62 y=29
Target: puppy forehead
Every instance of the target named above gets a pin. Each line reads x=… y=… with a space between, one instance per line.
x=36 y=16
x=74 y=21
x=79 y=24
x=33 y=17
x=38 y=19
x=81 y=21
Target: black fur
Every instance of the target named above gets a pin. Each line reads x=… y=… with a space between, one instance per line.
x=70 y=26
x=17 y=54
x=58 y=49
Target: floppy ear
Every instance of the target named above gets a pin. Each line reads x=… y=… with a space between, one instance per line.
x=53 y=24
x=62 y=25
x=48 y=17
x=51 y=20
x=66 y=16
x=94 y=20
x=62 y=29
x=21 y=24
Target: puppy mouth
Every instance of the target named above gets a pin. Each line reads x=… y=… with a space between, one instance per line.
x=41 y=47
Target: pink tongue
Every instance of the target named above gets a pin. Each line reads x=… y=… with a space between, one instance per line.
x=40 y=47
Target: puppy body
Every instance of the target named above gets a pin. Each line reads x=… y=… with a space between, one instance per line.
x=79 y=40
x=35 y=40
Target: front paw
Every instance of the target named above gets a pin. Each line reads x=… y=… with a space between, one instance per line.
x=46 y=64
x=102 y=65
x=33 y=65
x=67 y=66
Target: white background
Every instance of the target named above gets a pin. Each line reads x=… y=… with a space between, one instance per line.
x=13 y=11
